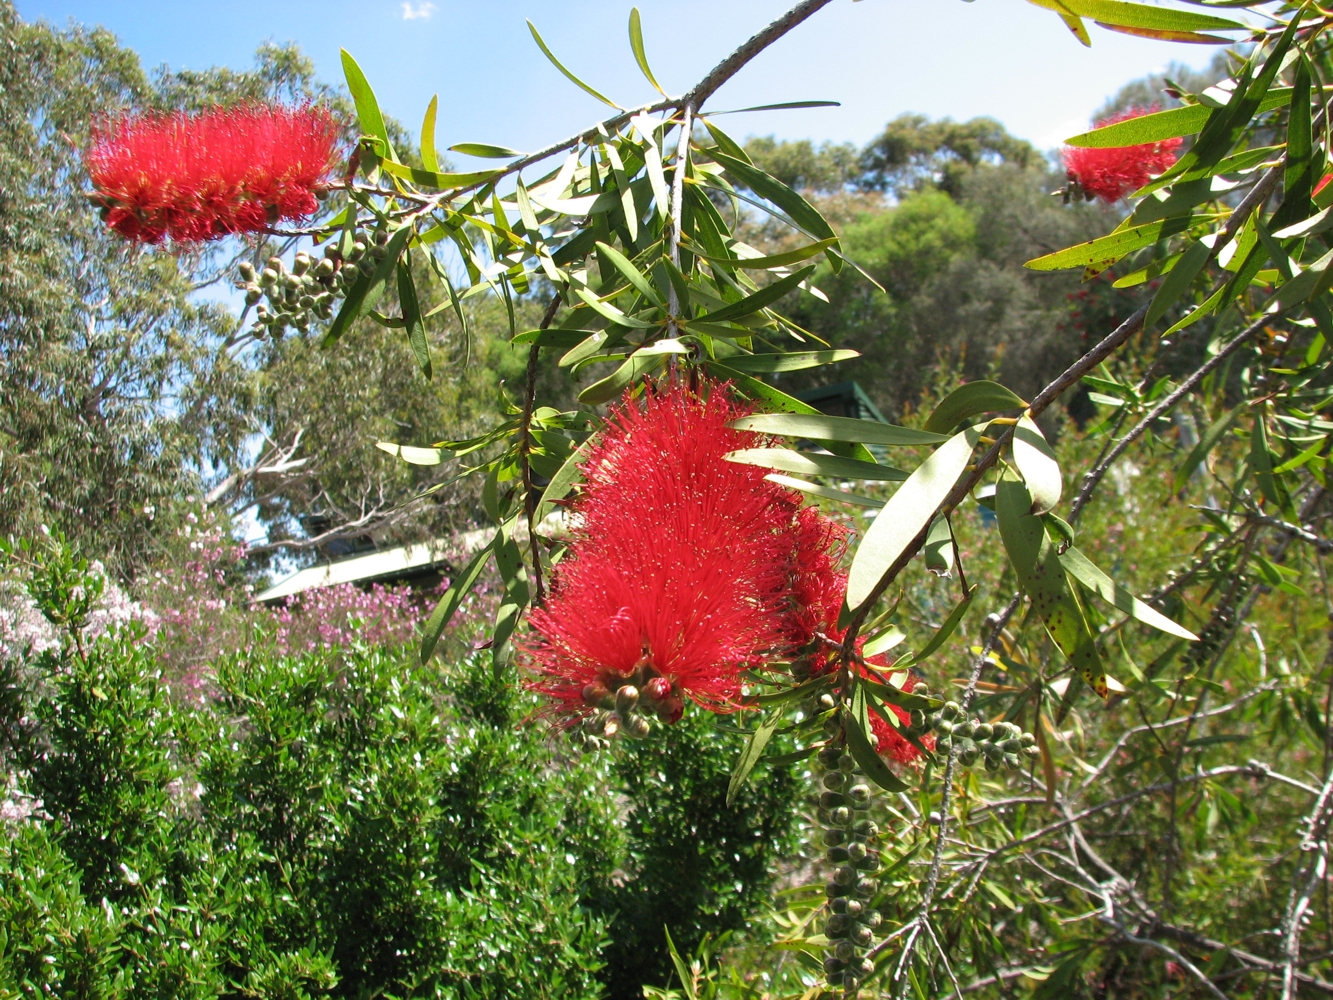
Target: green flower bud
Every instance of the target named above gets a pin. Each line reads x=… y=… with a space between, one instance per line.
x=627 y=698
x=833 y=966
x=366 y=265
x=921 y=688
x=872 y=919
x=831 y=800
x=952 y=709
x=854 y=907
x=836 y=855
x=866 y=888
x=356 y=251
x=826 y=701
x=837 y=925
x=867 y=967
x=844 y=950
x=841 y=816
x=870 y=863
x=859 y=793
x=846 y=763
x=965 y=728
x=301 y=263
x=832 y=890
x=378 y=252
x=638 y=727
x=306 y=302
x=992 y=763
x=1012 y=761
x=252 y=296
x=246 y=270
x=1027 y=739
x=846 y=875
x=856 y=850
x=983 y=731
x=862 y=936
x=969 y=757
x=833 y=780
x=268 y=276
x=865 y=829
x=1033 y=752
x=834 y=837
x=917 y=720
x=800 y=669
x=381 y=237
x=828 y=756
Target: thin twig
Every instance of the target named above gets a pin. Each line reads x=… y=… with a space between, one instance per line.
x=525 y=449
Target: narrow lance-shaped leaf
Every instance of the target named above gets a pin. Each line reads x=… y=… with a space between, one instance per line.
x=766 y=296
x=459 y=588
x=1036 y=461
x=429 y=160
x=367 y=107
x=858 y=742
x=812 y=464
x=938 y=550
x=1042 y=576
x=906 y=515
x=407 y=299
x=770 y=188
x=640 y=54
x=791 y=361
x=1177 y=282
x=821 y=427
x=632 y=274
x=754 y=749
x=968 y=400
x=942 y=636
x=827 y=492
x=561 y=67
x=1082 y=569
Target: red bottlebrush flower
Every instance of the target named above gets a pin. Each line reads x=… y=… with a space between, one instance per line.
x=676 y=578
x=1112 y=173
x=202 y=177
x=817 y=589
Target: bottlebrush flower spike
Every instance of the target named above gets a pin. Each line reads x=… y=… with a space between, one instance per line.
x=677 y=577
x=1114 y=172
x=202 y=177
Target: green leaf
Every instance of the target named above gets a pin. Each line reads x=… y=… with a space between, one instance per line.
x=632 y=274
x=367 y=108
x=560 y=66
x=428 y=158
x=608 y=311
x=827 y=492
x=754 y=749
x=1082 y=569
x=459 y=588
x=907 y=514
x=1314 y=280
x=485 y=150
x=1112 y=246
x=411 y=306
x=553 y=337
x=1036 y=461
x=784 y=106
x=858 y=742
x=791 y=361
x=1041 y=574
x=640 y=55
x=441 y=182
x=1298 y=178
x=1317 y=223
x=968 y=400
x=1177 y=282
x=726 y=143
x=613 y=385
x=1261 y=462
x=813 y=464
x=942 y=635
x=366 y=291
x=821 y=427
x=938 y=550
x=590 y=346
x=886 y=640
x=772 y=260
x=771 y=189
x=1136 y=15
x=416 y=456
x=767 y=295
x=1206 y=444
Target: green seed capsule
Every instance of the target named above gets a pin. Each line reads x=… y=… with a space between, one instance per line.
x=856 y=850
x=831 y=800
x=865 y=829
x=844 y=950
x=854 y=907
x=834 y=837
x=983 y=731
x=859 y=793
x=837 y=855
x=862 y=936
x=301 y=263
x=846 y=763
x=866 y=888
x=837 y=924
x=253 y=296
x=872 y=919
x=846 y=875
x=828 y=756
x=1012 y=761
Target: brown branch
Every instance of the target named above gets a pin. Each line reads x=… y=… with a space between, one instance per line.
x=525 y=448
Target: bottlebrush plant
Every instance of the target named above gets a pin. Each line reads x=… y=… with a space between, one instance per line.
x=664 y=562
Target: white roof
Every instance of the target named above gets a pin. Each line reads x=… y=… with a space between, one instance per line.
x=388 y=564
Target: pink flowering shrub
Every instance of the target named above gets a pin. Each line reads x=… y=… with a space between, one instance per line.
x=332 y=617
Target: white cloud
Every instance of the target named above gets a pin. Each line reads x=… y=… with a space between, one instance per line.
x=422 y=11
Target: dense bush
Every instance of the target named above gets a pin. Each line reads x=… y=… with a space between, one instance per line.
x=334 y=824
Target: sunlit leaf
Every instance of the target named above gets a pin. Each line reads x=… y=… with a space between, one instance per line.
x=792 y=361
x=560 y=66
x=968 y=400
x=1036 y=461
x=754 y=749
x=428 y=158
x=1082 y=569
x=812 y=464
x=640 y=54
x=459 y=588
x=907 y=514
x=367 y=107
x=485 y=150
x=821 y=427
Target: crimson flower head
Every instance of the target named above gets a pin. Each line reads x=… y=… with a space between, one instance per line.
x=195 y=178
x=676 y=579
x=1114 y=172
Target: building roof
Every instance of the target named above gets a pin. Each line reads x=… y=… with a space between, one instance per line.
x=402 y=563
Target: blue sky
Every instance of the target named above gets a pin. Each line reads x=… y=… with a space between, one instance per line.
x=1003 y=58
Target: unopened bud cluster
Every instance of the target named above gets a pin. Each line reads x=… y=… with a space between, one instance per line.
x=848 y=833
x=297 y=296
x=624 y=706
x=1001 y=744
